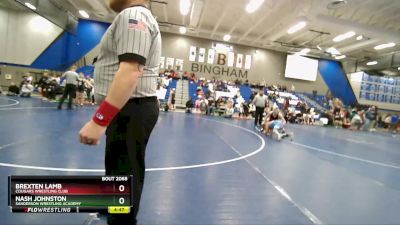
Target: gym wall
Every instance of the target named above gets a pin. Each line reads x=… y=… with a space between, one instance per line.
x=24 y=36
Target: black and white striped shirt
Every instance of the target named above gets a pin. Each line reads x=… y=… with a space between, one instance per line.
x=133 y=35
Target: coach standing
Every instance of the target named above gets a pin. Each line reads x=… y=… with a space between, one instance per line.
x=125 y=82
x=71 y=82
x=260 y=101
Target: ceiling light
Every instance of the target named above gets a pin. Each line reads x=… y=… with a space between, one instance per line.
x=383 y=46
x=257 y=51
x=398 y=68
x=340 y=57
x=297 y=27
x=227 y=37
x=372 y=63
x=182 y=30
x=29 y=5
x=344 y=36
x=333 y=51
x=185 y=7
x=253 y=5
x=359 y=38
x=84 y=14
x=319 y=47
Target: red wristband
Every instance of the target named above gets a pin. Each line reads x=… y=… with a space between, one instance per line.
x=105 y=114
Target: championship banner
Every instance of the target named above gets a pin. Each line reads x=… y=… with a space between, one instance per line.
x=247 y=64
x=162 y=62
x=231 y=59
x=170 y=63
x=202 y=53
x=239 y=61
x=192 y=54
x=179 y=64
x=211 y=56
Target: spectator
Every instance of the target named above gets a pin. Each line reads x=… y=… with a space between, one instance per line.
x=43 y=83
x=394 y=123
x=229 y=112
x=371 y=116
x=357 y=120
x=189 y=106
x=51 y=89
x=203 y=106
x=26 y=90
x=211 y=106
x=13 y=90
x=388 y=121
x=80 y=90
x=346 y=120
x=89 y=88
x=173 y=99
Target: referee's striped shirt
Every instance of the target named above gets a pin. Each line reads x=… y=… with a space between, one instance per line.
x=133 y=35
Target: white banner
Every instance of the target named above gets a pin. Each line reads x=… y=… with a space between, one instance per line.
x=170 y=63
x=162 y=62
x=192 y=56
x=211 y=56
x=202 y=53
x=231 y=59
x=179 y=64
x=247 y=64
x=239 y=61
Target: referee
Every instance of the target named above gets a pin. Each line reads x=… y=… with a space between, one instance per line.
x=125 y=83
x=260 y=101
x=70 y=86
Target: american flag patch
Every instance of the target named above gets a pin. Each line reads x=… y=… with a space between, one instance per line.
x=137 y=25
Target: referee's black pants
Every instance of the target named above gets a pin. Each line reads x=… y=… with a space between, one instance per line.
x=70 y=92
x=258 y=116
x=127 y=137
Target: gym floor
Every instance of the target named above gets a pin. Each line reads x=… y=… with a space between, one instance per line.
x=209 y=170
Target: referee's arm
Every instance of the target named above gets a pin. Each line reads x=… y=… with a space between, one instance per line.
x=124 y=83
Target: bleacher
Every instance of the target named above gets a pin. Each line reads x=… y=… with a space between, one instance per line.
x=172 y=85
x=318 y=105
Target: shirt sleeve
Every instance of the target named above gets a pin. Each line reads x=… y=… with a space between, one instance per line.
x=132 y=35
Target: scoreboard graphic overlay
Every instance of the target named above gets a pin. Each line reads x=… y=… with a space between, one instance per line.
x=70 y=194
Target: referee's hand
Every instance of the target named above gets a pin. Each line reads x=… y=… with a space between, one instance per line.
x=91 y=133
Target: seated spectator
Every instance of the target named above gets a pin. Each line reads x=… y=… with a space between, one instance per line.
x=346 y=120
x=189 y=106
x=337 y=119
x=203 y=106
x=51 y=90
x=229 y=112
x=211 y=106
x=186 y=75
x=42 y=84
x=357 y=120
x=13 y=90
x=26 y=90
x=252 y=109
x=394 y=123
x=387 y=121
